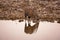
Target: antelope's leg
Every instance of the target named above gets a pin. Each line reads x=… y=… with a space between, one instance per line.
x=29 y=21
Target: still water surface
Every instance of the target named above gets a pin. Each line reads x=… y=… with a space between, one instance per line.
x=14 y=30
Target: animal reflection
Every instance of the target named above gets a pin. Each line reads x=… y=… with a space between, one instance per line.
x=28 y=15
x=31 y=29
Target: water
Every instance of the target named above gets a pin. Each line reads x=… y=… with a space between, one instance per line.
x=13 y=30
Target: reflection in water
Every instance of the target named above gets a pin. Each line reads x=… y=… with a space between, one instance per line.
x=13 y=30
x=30 y=29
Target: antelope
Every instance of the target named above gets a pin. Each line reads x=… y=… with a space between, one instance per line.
x=29 y=14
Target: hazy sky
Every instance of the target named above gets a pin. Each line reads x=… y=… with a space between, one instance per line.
x=13 y=30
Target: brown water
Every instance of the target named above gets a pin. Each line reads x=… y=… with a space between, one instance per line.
x=13 y=30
